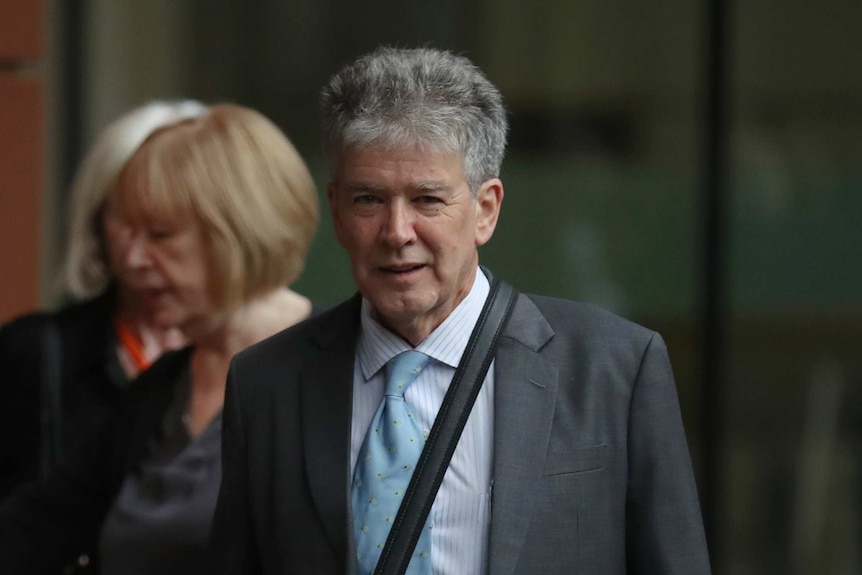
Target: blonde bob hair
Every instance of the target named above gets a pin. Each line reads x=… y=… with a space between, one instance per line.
x=86 y=270
x=234 y=173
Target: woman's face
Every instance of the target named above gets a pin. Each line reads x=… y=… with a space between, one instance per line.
x=163 y=264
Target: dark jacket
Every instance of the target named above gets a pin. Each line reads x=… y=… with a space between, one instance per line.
x=45 y=526
x=91 y=383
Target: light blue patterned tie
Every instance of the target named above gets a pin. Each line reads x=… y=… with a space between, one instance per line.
x=386 y=460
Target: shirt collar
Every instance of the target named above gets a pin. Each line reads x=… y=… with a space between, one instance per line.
x=446 y=344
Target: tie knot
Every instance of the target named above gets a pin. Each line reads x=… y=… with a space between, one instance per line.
x=402 y=369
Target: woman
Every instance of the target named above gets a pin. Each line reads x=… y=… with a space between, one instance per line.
x=213 y=216
x=64 y=371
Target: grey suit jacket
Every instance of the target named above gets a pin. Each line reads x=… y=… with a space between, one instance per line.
x=591 y=468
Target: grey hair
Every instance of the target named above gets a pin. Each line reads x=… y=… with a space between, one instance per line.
x=86 y=272
x=398 y=98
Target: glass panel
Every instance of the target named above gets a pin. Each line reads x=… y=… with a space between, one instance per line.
x=794 y=405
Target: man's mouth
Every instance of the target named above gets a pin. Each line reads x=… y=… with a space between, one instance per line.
x=402 y=269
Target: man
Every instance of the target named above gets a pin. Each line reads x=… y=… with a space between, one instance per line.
x=574 y=458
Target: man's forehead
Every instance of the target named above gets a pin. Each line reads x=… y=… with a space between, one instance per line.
x=397 y=151
x=367 y=186
x=357 y=166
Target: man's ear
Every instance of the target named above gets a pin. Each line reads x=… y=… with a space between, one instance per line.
x=489 y=199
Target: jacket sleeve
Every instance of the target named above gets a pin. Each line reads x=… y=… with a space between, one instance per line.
x=44 y=526
x=20 y=433
x=232 y=544
x=664 y=529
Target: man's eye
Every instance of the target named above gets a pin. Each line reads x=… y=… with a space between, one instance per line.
x=429 y=200
x=365 y=199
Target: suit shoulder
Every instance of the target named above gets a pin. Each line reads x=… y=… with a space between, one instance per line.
x=570 y=316
x=588 y=339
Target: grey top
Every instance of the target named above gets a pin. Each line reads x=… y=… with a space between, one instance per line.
x=161 y=518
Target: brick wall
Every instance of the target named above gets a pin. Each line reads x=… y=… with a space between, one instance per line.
x=21 y=153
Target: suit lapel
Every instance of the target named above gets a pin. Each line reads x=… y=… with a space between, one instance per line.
x=326 y=394
x=525 y=387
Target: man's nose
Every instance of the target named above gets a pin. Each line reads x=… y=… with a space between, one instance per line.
x=398 y=228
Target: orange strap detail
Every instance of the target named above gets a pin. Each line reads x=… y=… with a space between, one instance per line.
x=132 y=344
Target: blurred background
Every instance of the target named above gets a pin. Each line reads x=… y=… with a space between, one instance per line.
x=694 y=165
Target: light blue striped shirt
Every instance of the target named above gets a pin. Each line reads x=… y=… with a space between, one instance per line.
x=461 y=511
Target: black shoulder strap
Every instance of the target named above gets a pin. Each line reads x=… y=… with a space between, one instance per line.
x=51 y=424
x=447 y=428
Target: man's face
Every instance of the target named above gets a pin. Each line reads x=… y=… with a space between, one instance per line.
x=411 y=229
